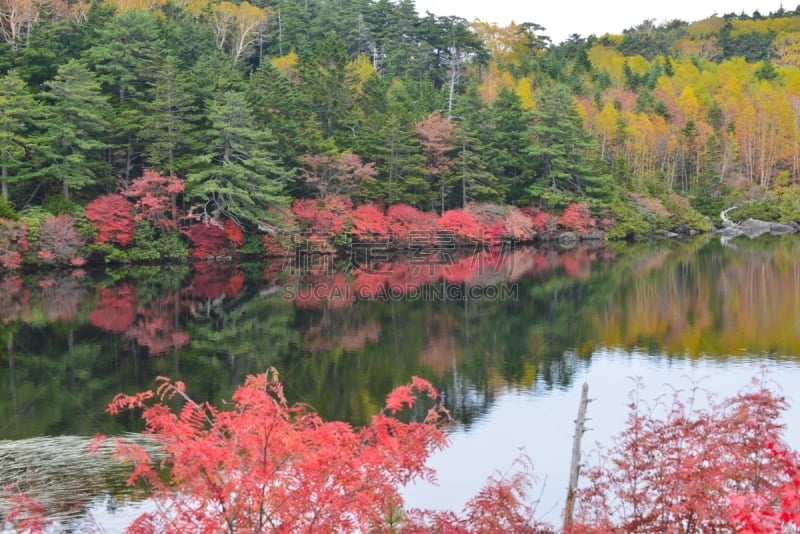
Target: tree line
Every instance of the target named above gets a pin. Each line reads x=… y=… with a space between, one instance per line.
x=251 y=106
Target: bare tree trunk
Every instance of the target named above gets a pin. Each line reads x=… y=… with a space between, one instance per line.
x=575 y=466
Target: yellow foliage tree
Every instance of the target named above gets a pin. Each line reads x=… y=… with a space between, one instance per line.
x=524 y=90
x=237 y=26
x=286 y=64
x=360 y=70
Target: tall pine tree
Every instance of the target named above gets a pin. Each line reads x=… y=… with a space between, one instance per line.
x=76 y=124
x=241 y=177
x=18 y=109
x=567 y=157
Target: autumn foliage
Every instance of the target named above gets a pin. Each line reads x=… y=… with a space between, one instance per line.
x=59 y=242
x=407 y=223
x=686 y=463
x=693 y=464
x=13 y=244
x=342 y=174
x=577 y=218
x=112 y=216
x=753 y=512
x=369 y=223
x=461 y=224
x=153 y=196
x=115 y=310
x=268 y=466
x=208 y=240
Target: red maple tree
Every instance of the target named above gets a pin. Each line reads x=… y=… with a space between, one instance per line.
x=154 y=195
x=266 y=465
x=407 y=223
x=678 y=463
x=577 y=218
x=112 y=217
x=369 y=223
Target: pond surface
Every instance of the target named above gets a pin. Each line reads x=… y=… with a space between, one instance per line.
x=508 y=335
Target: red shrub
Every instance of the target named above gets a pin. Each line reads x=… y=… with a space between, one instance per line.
x=13 y=243
x=207 y=240
x=154 y=198
x=323 y=218
x=542 y=221
x=462 y=224
x=273 y=247
x=234 y=232
x=112 y=217
x=369 y=223
x=494 y=233
x=518 y=226
x=407 y=223
x=577 y=218
x=10 y=260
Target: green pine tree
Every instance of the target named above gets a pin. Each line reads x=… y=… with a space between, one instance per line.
x=18 y=109
x=241 y=177
x=506 y=136
x=567 y=157
x=75 y=127
x=169 y=127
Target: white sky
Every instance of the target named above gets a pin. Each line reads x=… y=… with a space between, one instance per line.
x=561 y=18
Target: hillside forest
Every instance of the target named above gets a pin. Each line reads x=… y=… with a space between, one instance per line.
x=138 y=130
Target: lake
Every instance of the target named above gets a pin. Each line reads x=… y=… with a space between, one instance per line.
x=508 y=335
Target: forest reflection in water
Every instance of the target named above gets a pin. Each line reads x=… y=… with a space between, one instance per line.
x=501 y=332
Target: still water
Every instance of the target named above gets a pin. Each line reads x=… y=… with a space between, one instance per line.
x=508 y=335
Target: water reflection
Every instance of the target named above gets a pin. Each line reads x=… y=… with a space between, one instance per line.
x=499 y=324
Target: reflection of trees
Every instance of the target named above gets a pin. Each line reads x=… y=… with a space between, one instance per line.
x=61 y=384
x=470 y=348
x=71 y=346
x=711 y=301
x=342 y=355
x=60 y=298
x=247 y=336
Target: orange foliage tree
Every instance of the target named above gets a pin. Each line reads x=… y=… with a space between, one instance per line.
x=268 y=466
x=679 y=465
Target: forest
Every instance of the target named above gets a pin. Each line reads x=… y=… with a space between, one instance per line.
x=160 y=131
x=144 y=131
